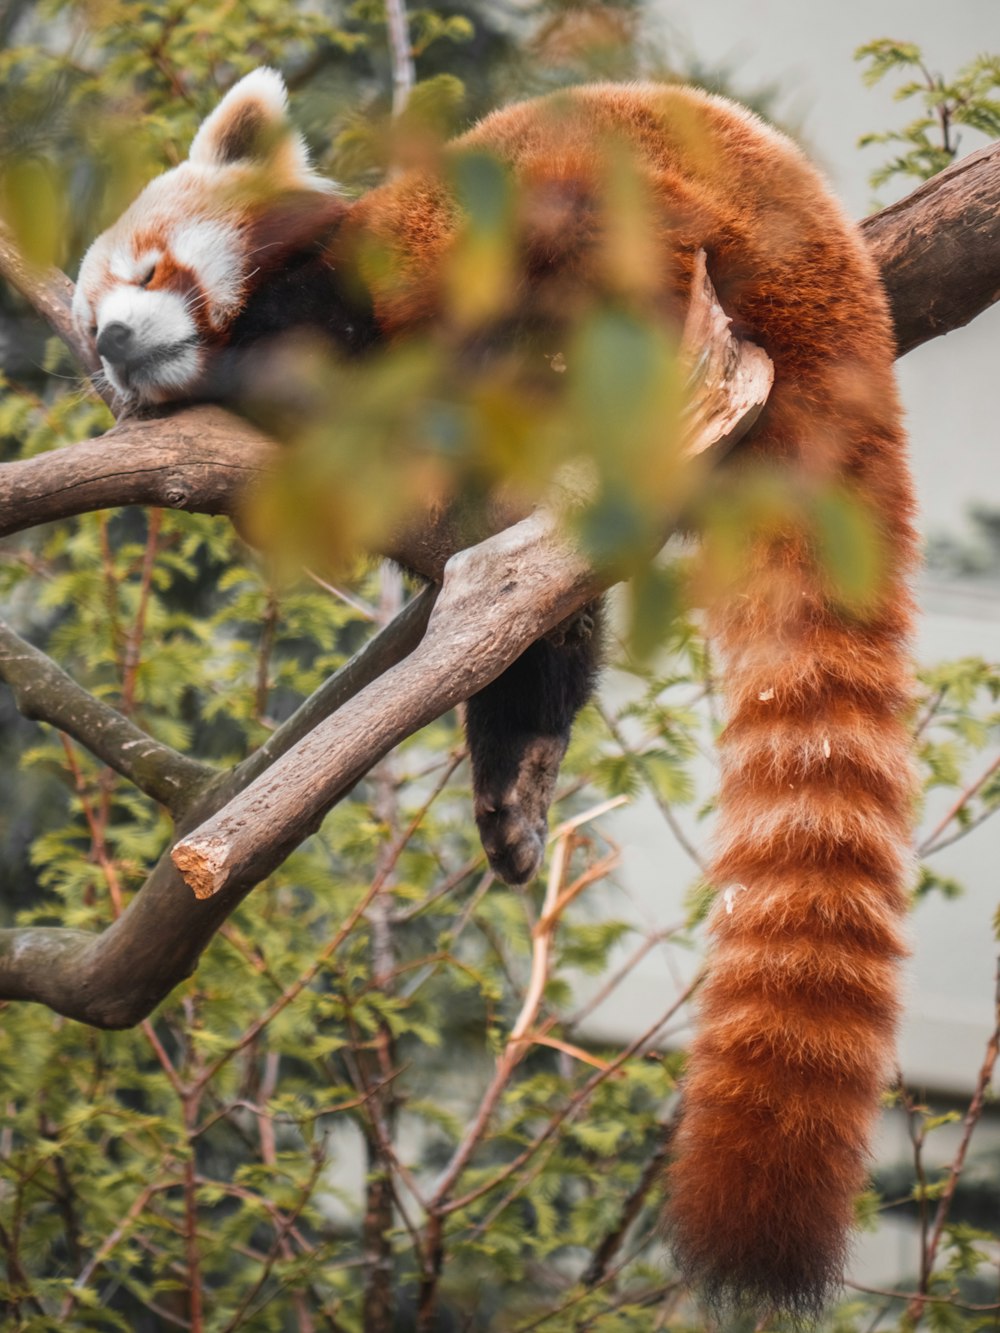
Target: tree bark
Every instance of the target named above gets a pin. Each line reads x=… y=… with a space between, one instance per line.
x=939 y=249
x=116 y=979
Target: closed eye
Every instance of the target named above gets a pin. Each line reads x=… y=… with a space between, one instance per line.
x=148 y=276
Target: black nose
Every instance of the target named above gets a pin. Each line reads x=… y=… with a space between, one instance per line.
x=114 y=342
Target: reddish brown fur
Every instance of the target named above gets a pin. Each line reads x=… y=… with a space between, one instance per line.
x=798 y=1014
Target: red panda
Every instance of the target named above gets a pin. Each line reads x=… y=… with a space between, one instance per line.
x=798 y=1013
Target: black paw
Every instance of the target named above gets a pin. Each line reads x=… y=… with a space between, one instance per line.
x=514 y=844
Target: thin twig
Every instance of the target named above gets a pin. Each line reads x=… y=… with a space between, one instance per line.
x=959 y=804
x=972 y=1117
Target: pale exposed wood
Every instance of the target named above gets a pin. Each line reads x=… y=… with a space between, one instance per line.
x=728 y=381
x=404 y=73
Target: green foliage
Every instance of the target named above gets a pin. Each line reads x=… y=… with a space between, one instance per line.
x=928 y=144
x=220 y=1167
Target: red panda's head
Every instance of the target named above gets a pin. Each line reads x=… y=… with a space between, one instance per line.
x=160 y=289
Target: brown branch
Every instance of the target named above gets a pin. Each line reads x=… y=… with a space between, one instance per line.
x=939 y=249
x=652 y=1175
x=496 y=600
x=972 y=1116
x=201 y=459
x=930 y=843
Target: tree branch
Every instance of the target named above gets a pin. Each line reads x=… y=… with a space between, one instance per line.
x=939 y=249
x=201 y=459
x=45 y=693
x=403 y=72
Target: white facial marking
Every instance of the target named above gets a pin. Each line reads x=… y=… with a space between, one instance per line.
x=157 y=319
x=212 y=251
x=162 y=357
x=133 y=268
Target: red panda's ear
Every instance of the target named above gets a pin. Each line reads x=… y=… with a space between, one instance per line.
x=250 y=127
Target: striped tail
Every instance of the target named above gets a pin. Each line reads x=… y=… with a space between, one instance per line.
x=797 y=1016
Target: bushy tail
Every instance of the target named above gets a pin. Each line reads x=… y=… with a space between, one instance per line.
x=798 y=1013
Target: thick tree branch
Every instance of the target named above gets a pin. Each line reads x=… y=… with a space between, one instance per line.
x=496 y=600
x=44 y=692
x=202 y=459
x=939 y=249
x=117 y=978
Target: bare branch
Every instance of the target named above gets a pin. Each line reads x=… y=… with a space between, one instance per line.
x=972 y=1116
x=403 y=73
x=202 y=459
x=45 y=693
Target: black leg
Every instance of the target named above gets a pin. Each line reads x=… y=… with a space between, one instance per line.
x=518 y=728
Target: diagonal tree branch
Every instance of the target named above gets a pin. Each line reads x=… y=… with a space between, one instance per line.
x=496 y=600
x=45 y=693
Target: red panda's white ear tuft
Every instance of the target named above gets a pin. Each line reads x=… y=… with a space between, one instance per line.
x=250 y=128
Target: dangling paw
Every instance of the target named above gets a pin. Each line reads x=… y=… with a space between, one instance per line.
x=513 y=816
x=513 y=845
